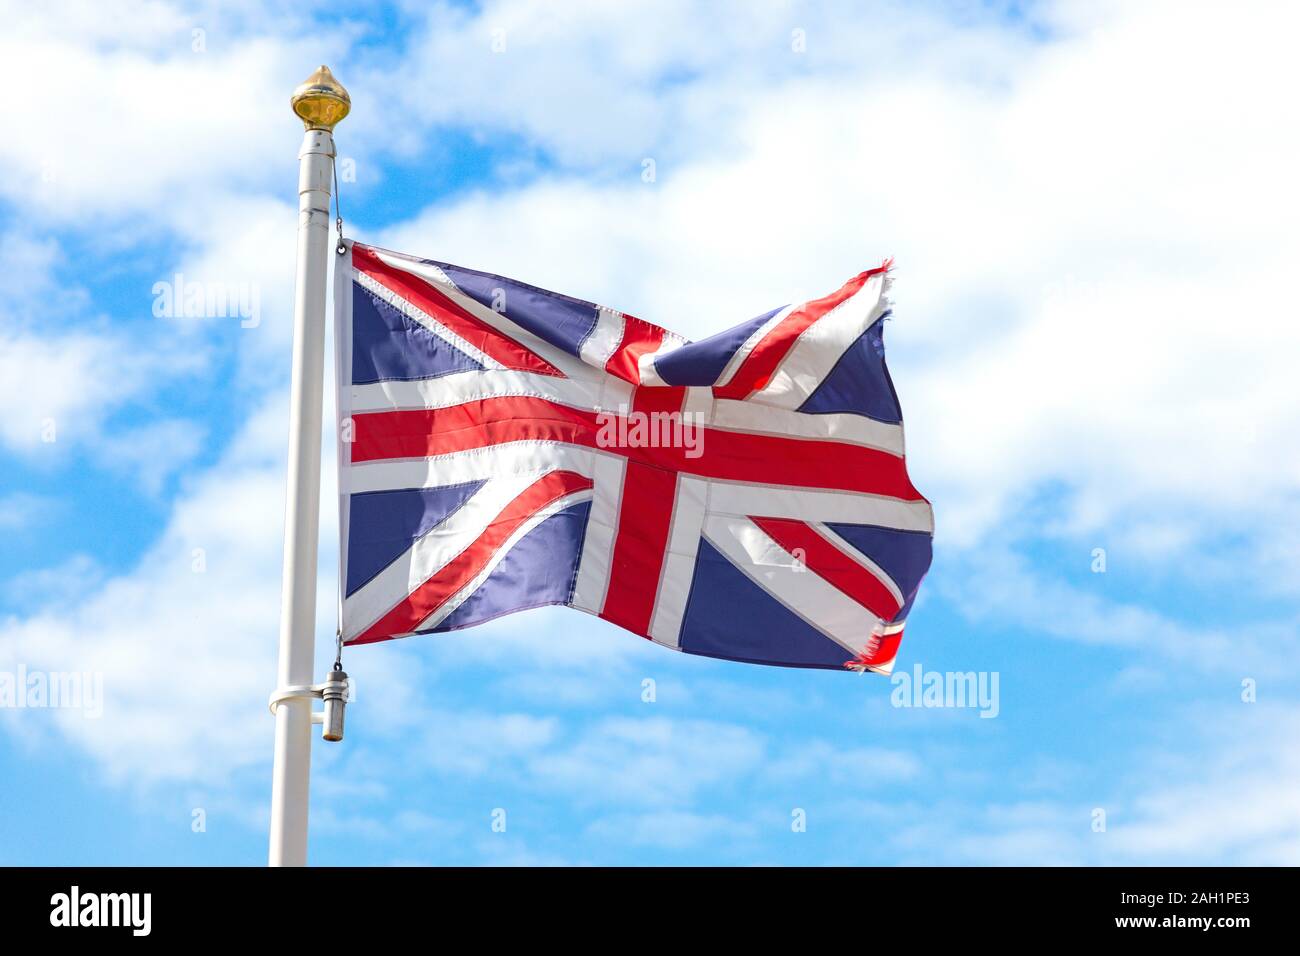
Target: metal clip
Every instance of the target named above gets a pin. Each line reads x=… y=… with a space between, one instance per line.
x=334 y=693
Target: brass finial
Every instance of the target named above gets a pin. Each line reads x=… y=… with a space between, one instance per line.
x=321 y=101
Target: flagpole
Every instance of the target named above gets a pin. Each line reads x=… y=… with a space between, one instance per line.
x=320 y=102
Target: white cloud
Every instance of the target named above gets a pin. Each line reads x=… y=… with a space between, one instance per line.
x=62 y=584
x=1226 y=794
x=601 y=86
x=1238 y=806
x=1091 y=268
x=849 y=767
x=153 y=451
x=469 y=744
x=655 y=761
x=57 y=381
x=184 y=640
x=121 y=115
x=61 y=393
x=19 y=509
x=67 y=373
x=670 y=829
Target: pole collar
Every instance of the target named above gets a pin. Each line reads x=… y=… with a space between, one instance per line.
x=334 y=687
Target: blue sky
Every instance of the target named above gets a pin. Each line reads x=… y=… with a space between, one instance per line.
x=1093 y=342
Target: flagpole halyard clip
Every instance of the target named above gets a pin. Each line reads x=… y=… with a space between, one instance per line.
x=333 y=691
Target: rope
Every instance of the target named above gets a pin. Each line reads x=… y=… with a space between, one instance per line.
x=338 y=209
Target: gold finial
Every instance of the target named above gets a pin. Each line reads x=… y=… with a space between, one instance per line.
x=320 y=101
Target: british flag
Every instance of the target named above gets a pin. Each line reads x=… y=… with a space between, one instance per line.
x=503 y=447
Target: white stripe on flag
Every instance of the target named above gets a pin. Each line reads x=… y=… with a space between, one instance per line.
x=461 y=596
x=679 y=561
x=747 y=346
x=522 y=458
x=749 y=416
x=867 y=564
x=810 y=596
x=806 y=504
x=602 y=527
x=431 y=552
x=568 y=364
x=646 y=363
x=604 y=339
x=460 y=387
x=427 y=321
x=822 y=345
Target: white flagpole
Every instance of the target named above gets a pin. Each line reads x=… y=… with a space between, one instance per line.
x=320 y=103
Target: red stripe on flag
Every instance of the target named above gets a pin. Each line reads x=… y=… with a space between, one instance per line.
x=880 y=650
x=829 y=562
x=655 y=398
x=637 y=562
x=429 y=596
x=722 y=454
x=757 y=368
x=491 y=342
x=639 y=338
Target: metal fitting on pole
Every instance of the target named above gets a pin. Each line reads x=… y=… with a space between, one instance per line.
x=334 y=692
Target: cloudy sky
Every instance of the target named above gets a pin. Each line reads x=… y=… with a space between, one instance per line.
x=1093 y=209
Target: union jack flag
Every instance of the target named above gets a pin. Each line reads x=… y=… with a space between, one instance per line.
x=503 y=447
